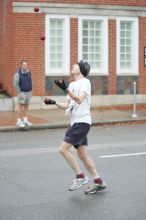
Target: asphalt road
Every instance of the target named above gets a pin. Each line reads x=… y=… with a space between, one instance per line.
x=34 y=178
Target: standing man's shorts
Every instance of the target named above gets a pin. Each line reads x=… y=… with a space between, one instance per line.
x=24 y=97
x=77 y=134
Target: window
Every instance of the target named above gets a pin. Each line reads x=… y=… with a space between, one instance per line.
x=127 y=46
x=93 y=43
x=57 y=53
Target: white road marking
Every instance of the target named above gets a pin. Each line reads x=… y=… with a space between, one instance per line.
x=123 y=155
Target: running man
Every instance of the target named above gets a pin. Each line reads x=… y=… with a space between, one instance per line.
x=78 y=105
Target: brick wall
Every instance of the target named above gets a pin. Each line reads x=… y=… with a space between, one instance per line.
x=2 y=32
x=112 y=57
x=142 y=44
x=1 y=40
x=73 y=42
x=22 y=41
x=6 y=37
x=29 y=28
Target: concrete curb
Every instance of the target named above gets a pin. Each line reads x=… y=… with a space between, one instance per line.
x=65 y=125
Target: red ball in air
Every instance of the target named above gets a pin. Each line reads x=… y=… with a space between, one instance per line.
x=36 y=9
x=42 y=38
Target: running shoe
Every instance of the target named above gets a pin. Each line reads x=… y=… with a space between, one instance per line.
x=95 y=188
x=77 y=183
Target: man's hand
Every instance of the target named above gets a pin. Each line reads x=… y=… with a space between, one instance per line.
x=61 y=84
x=48 y=101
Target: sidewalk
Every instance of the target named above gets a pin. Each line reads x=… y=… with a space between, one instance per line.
x=56 y=118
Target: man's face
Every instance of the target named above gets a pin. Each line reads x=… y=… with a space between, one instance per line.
x=24 y=65
x=75 y=69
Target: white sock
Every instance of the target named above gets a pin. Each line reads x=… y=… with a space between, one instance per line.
x=25 y=119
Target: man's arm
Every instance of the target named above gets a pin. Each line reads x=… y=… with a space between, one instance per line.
x=63 y=105
x=78 y=99
x=16 y=82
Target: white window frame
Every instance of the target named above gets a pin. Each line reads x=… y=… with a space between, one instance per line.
x=104 y=44
x=135 y=46
x=66 y=46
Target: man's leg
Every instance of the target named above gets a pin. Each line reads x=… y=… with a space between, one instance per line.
x=25 y=110
x=21 y=110
x=64 y=149
x=27 y=97
x=19 y=122
x=87 y=161
x=99 y=184
x=80 y=179
x=25 y=119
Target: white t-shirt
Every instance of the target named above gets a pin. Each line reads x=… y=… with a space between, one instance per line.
x=80 y=112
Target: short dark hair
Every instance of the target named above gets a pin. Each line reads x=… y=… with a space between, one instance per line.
x=84 y=68
x=22 y=61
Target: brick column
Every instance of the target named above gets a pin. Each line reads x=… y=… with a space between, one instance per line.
x=7 y=46
x=1 y=40
x=112 y=57
x=142 y=44
x=73 y=42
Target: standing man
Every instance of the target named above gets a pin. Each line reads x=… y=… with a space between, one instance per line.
x=78 y=104
x=22 y=82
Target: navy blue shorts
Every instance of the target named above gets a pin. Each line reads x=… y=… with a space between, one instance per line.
x=77 y=134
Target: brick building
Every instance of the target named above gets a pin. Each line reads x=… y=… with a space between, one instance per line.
x=109 y=34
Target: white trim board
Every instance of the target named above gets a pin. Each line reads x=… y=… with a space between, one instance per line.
x=79 y=9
